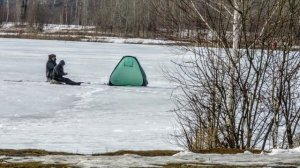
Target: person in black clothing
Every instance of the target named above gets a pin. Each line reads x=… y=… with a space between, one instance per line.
x=58 y=74
x=51 y=63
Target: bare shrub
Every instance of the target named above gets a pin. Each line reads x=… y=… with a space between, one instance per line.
x=240 y=87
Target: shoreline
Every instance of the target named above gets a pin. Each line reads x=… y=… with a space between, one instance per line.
x=178 y=160
x=89 y=38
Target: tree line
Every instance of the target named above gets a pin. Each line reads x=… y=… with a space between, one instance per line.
x=138 y=18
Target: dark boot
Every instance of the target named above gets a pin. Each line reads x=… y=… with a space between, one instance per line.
x=70 y=82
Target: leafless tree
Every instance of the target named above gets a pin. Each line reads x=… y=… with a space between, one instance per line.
x=236 y=92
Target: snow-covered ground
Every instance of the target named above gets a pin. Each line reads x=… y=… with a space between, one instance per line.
x=282 y=158
x=75 y=32
x=47 y=27
x=91 y=118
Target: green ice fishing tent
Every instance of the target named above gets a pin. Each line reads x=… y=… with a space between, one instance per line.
x=128 y=72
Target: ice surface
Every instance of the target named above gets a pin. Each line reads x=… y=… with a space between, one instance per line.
x=96 y=118
x=86 y=119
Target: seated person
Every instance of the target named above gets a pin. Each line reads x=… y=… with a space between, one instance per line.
x=51 y=63
x=58 y=73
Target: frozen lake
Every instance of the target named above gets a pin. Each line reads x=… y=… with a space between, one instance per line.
x=91 y=118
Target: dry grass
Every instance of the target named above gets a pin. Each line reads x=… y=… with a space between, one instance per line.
x=150 y=153
x=29 y=152
x=35 y=152
x=198 y=165
x=226 y=151
x=43 y=37
x=33 y=165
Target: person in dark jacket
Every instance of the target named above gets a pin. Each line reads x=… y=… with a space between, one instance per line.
x=51 y=63
x=58 y=74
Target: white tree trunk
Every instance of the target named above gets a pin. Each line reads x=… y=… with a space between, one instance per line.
x=76 y=12
x=66 y=11
x=84 y=15
x=233 y=64
x=18 y=11
x=236 y=30
x=7 y=10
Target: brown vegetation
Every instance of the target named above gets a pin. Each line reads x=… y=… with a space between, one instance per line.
x=29 y=152
x=150 y=153
x=226 y=151
x=33 y=165
x=202 y=165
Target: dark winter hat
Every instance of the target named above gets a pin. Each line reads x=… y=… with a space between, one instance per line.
x=62 y=62
x=51 y=56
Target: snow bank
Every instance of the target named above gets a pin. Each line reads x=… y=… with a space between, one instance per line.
x=127 y=40
x=248 y=153
x=297 y=149
x=285 y=151
x=184 y=153
x=8 y=34
x=57 y=28
x=8 y=25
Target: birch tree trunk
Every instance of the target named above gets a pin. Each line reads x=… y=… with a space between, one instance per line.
x=7 y=10
x=18 y=11
x=84 y=12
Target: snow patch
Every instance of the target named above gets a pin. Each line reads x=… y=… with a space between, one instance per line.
x=285 y=151
x=56 y=28
x=247 y=152
x=8 y=25
x=184 y=153
x=8 y=34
